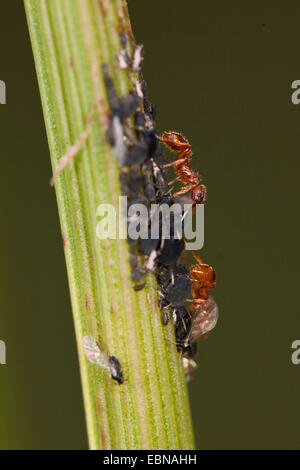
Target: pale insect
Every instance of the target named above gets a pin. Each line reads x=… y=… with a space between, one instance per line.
x=189 y=366
x=96 y=355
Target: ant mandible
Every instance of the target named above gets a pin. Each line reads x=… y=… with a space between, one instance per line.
x=177 y=143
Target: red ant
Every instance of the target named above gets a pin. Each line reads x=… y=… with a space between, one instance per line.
x=185 y=174
x=203 y=279
x=204 y=309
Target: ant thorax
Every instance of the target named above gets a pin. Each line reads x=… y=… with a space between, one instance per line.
x=203 y=276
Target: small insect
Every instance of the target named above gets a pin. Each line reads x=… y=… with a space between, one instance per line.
x=148 y=245
x=123 y=59
x=129 y=104
x=182 y=326
x=139 y=287
x=204 y=319
x=111 y=93
x=170 y=251
x=149 y=191
x=165 y=318
x=137 y=154
x=189 y=366
x=137 y=58
x=191 y=180
x=178 y=291
x=159 y=179
x=96 y=355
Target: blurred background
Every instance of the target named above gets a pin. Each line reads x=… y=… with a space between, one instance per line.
x=221 y=75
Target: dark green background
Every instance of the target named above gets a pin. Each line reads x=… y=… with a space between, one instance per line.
x=220 y=73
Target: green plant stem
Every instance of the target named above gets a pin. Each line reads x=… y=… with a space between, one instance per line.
x=71 y=39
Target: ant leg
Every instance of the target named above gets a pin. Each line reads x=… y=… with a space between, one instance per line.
x=172 y=342
x=174 y=181
x=197 y=257
x=167 y=165
x=186 y=154
x=184 y=190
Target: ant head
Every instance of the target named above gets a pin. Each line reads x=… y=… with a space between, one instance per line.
x=199 y=194
x=174 y=141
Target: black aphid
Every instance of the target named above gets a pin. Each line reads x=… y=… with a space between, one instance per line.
x=142 y=269
x=149 y=108
x=129 y=104
x=180 y=269
x=110 y=89
x=149 y=191
x=183 y=325
x=139 y=286
x=164 y=303
x=123 y=39
x=133 y=261
x=165 y=318
x=140 y=121
x=138 y=272
x=124 y=180
x=136 y=276
x=171 y=251
x=183 y=321
x=137 y=154
x=179 y=292
x=159 y=179
x=135 y=182
x=163 y=275
x=182 y=329
x=151 y=142
x=147 y=245
x=116 y=370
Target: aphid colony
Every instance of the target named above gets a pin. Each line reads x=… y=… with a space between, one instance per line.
x=184 y=298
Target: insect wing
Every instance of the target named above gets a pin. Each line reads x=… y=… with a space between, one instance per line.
x=94 y=353
x=205 y=320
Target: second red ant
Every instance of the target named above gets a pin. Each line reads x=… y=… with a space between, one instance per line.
x=203 y=279
x=205 y=308
x=203 y=311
